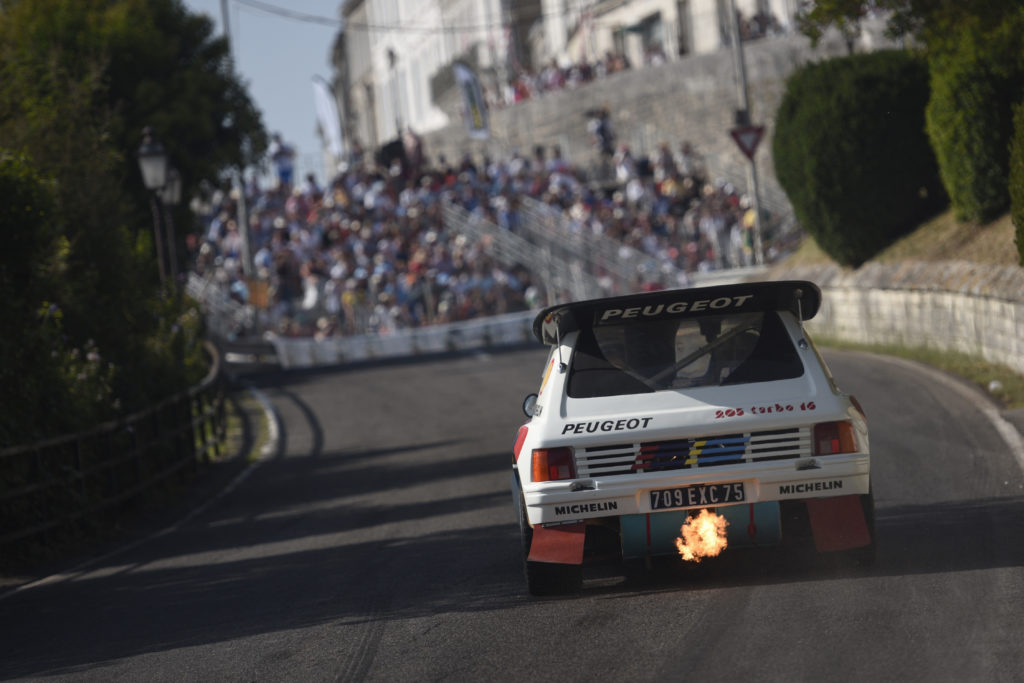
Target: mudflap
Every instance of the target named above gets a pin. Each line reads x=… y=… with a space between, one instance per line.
x=838 y=523
x=654 y=534
x=562 y=544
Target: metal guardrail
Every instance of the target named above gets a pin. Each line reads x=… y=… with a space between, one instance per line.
x=58 y=484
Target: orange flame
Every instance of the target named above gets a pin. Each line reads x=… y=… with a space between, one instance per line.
x=702 y=536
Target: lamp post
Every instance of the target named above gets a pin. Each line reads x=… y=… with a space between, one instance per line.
x=153 y=166
x=392 y=63
x=170 y=196
x=743 y=119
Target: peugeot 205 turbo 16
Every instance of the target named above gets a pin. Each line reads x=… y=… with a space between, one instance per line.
x=686 y=422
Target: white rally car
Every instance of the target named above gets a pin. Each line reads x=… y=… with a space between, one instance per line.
x=659 y=405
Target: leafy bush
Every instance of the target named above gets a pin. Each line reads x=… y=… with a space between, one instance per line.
x=1017 y=179
x=977 y=76
x=49 y=381
x=851 y=152
x=91 y=334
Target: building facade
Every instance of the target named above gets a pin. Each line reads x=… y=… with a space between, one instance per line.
x=398 y=54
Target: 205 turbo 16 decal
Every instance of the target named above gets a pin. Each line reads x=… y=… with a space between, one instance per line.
x=767 y=409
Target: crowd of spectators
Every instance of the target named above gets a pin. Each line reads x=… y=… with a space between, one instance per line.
x=527 y=83
x=760 y=25
x=553 y=76
x=370 y=252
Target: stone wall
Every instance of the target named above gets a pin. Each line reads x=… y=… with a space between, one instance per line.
x=692 y=99
x=967 y=307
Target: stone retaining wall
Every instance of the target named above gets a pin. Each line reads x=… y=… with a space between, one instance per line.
x=693 y=99
x=967 y=307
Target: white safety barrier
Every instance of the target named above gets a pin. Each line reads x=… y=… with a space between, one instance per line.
x=505 y=330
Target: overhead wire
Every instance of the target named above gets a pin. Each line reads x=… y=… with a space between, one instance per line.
x=397 y=27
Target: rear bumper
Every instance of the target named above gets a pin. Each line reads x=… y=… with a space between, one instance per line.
x=818 y=477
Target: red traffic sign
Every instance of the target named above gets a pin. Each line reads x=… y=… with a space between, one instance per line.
x=747 y=138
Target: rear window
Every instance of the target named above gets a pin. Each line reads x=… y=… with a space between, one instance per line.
x=682 y=353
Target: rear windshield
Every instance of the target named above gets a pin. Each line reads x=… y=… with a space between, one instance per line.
x=681 y=353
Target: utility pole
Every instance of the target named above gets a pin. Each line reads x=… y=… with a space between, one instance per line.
x=237 y=178
x=743 y=121
x=224 y=22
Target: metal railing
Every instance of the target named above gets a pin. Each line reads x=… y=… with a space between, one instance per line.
x=619 y=268
x=225 y=317
x=562 y=278
x=59 y=485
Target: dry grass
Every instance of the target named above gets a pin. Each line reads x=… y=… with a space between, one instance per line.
x=1002 y=384
x=941 y=239
x=944 y=239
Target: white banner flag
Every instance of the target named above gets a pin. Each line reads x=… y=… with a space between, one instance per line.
x=473 y=101
x=329 y=118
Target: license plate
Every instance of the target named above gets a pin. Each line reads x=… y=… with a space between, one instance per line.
x=698 y=495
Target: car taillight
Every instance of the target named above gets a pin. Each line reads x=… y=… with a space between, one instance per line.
x=834 y=437
x=552 y=464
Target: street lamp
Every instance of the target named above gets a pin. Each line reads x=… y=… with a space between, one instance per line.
x=152 y=161
x=170 y=195
x=153 y=166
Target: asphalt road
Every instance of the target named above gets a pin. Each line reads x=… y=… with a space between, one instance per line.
x=379 y=544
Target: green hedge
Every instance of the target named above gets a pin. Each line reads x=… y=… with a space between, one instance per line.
x=851 y=152
x=55 y=379
x=977 y=77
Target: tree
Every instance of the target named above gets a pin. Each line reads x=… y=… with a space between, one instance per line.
x=79 y=79
x=851 y=152
x=977 y=76
x=157 y=64
x=928 y=21
x=168 y=70
x=976 y=66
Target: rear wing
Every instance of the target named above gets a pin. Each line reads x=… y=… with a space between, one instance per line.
x=800 y=297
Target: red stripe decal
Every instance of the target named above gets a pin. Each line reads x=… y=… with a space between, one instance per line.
x=520 y=438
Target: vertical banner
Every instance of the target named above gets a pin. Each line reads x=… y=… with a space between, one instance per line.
x=329 y=118
x=473 y=101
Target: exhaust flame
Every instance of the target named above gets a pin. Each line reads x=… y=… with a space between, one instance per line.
x=702 y=536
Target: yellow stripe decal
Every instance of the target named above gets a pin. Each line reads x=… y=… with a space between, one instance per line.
x=695 y=451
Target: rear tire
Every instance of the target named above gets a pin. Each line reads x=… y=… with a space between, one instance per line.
x=546 y=578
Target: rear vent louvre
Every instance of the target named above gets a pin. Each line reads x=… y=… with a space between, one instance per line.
x=678 y=454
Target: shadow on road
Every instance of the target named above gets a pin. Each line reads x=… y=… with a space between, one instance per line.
x=912 y=540
x=468 y=570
